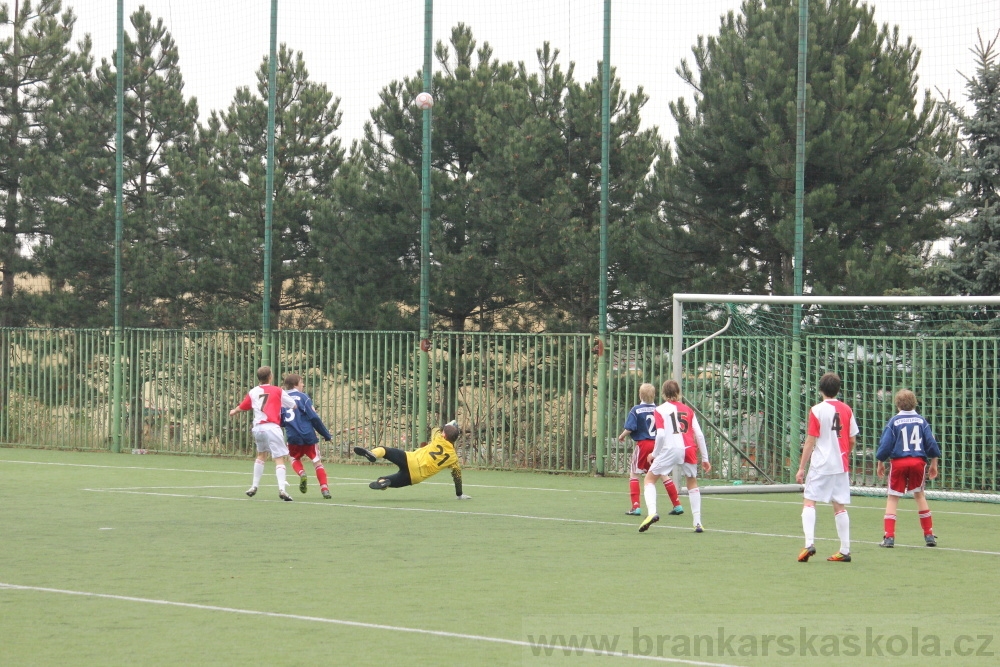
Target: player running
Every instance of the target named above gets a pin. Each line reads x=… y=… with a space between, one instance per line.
x=668 y=451
x=639 y=425
x=694 y=444
x=301 y=425
x=266 y=401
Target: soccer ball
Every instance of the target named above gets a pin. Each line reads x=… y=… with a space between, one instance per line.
x=424 y=101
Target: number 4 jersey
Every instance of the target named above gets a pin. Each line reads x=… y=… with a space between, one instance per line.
x=432 y=458
x=907 y=434
x=832 y=424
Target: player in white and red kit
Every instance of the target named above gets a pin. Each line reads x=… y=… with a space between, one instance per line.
x=266 y=401
x=830 y=437
x=640 y=427
x=668 y=451
x=694 y=444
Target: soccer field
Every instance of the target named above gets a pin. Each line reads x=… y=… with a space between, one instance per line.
x=159 y=560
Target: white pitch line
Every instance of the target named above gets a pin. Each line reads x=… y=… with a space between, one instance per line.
x=529 y=517
x=359 y=480
x=356 y=624
x=880 y=507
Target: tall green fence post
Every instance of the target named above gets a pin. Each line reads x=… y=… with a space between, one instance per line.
x=602 y=316
x=795 y=377
x=425 y=233
x=119 y=343
x=266 y=355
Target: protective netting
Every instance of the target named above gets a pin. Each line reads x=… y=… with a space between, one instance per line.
x=757 y=381
x=858 y=320
x=359 y=49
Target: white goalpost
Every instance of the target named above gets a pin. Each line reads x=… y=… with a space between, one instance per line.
x=878 y=344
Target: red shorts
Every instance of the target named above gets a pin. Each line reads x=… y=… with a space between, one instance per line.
x=298 y=451
x=640 y=456
x=906 y=474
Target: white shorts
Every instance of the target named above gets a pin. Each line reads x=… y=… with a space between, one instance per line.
x=828 y=488
x=689 y=469
x=667 y=459
x=270 y=440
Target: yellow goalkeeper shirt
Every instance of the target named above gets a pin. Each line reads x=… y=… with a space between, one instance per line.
x=432 y=458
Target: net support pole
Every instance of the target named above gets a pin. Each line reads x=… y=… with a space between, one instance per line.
x=425 y=232
x=272 y=69
x=119 y=342
x=602 y=316
x=795 y=376
x=677 y=353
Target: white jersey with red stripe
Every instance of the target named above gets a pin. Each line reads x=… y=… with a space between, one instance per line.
x=266 y=401
x=694 y=438
x=668 y=431
x=832 y=424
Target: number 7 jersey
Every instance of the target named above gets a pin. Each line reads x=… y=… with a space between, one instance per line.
x=432 y=458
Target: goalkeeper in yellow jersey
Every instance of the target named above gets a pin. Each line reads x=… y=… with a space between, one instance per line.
x=415 y=467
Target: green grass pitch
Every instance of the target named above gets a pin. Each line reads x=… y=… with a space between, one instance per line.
x=158 y=560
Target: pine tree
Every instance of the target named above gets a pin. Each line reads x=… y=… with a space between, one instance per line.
x=516 y=195
x=35 y=61
x=158 y=122
x=554 y=237
x=873 y=179
x=222 y=202
x=380 y=205
x=973 y=265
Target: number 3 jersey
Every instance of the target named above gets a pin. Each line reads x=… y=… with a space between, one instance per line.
x=432 y=458
x=832 y=424
x=907 y=434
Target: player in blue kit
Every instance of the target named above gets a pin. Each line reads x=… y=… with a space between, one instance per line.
x=641 y=427
x=907 y=443
x=301 y=425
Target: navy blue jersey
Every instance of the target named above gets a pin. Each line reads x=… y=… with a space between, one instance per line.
x=302 y=423
x=907 y=434
x=640 y=422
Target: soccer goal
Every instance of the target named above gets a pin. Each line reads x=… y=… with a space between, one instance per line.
x=750 y=365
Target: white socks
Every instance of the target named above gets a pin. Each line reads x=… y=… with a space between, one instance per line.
x=843 y=528
x=809 y=524
x=843 y=531
x=279 y=471
x=649 y=491
x=694 y=496
x=258 y=471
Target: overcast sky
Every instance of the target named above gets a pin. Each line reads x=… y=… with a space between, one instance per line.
x=358 y=47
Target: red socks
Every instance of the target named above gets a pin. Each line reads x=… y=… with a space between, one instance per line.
x=297 y=467
x=321 y=475
x=889 y=525
x=633 y=490
x=671 y=488
x=668 y=484
x=926 y=523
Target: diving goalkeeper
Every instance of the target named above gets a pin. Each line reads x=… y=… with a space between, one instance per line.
x=427 y=461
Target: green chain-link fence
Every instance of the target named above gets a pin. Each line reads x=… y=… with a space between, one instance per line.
x=524 y=401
